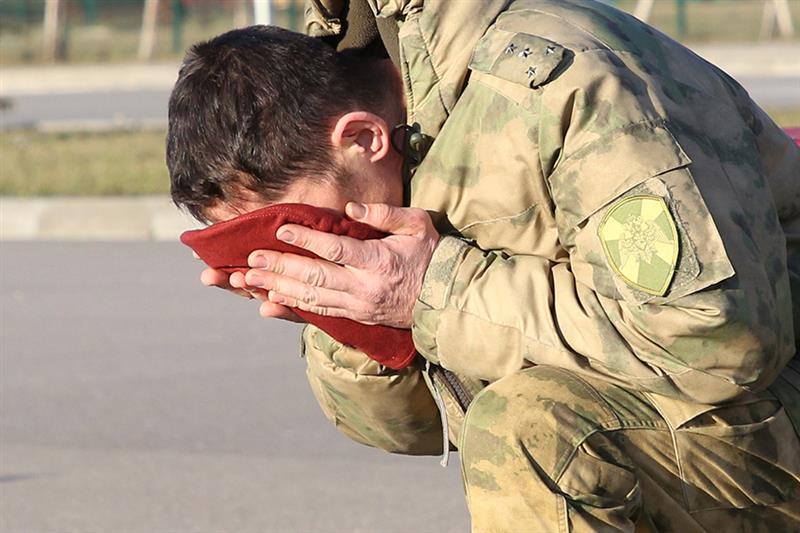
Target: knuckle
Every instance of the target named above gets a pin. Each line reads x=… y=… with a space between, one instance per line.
x=309 y=296
x=420 y=216
x=273 y=283
x=335 y=251
x=278 y=266
x=267 y=261
x=375 y=297
x=315 y=276
x=382 y=211
x=386 y=263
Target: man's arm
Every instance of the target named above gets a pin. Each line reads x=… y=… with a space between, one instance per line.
x=709 y=328
x=371 y=404
x=711 y=337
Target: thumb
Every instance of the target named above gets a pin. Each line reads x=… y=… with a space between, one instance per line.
x=391 y=219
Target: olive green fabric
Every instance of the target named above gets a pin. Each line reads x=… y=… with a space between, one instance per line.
x=352 y=27
x=547 y=116
x=527 y=175
x=547 y=450
x=640 y=240
x=371 y=404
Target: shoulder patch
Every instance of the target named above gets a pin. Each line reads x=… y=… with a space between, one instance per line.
x=640 y=240
x=517 y=57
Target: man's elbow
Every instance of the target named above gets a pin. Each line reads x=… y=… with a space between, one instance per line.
x=741 y=352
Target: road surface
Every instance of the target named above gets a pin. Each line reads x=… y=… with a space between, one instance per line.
x=150 y=106
x=134 y=400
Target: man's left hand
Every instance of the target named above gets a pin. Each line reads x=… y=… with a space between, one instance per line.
x=372 y=282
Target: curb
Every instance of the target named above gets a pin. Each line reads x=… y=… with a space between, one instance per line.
x=773 y=59
x=146 y=218
x=49 y=79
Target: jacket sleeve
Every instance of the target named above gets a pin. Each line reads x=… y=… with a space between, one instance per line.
x=371 y=404
x=782 y=168
x=472 y=319
x=723 y=328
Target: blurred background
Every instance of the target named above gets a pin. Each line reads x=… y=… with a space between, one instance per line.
x=130 y=398
x=84 y=83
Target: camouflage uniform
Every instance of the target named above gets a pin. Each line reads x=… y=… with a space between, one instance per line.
x=607 y=324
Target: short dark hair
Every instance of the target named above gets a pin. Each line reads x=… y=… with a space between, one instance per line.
x=252 y=110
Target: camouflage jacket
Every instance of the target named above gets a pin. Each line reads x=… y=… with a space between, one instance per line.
x=621 y=208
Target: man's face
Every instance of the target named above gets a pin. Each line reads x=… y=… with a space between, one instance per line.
x=376 y=184
x=368 y=170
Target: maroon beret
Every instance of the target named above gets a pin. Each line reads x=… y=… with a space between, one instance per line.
x=226 y=245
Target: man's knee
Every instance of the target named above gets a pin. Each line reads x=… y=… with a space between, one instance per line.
x=534 y=445
x=548 y=411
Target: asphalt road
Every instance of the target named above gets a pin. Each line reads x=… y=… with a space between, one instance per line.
x=134 y=400
x=117 y=106
x=150 y=106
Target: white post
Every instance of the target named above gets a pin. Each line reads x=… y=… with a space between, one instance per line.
x=147 y=38
x=262 y=11
x=643 y=9
x=784 y=18
x=776 y=12
x=52 y=29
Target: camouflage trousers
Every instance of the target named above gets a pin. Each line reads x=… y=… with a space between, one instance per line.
x=547 y=450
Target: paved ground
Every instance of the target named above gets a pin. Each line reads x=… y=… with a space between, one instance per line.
x=87 y=110
x=92 y=218
x=148 y=107
x=136 y=401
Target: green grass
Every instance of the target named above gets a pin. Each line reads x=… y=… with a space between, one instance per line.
x=116 y=163
x=786 y=118
x=48 y=164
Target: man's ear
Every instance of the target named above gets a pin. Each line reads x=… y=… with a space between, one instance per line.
x=361 y=134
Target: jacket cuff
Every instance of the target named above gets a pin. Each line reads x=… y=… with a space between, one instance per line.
x=436 y=288
x=322 y=350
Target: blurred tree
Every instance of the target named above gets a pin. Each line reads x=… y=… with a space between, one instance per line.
x=90 y=11
x=178 y=15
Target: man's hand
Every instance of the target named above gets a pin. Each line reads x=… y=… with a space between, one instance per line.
x=236 y=284
x=372 y=282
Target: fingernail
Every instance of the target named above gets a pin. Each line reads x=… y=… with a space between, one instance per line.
x=286 y=235
x=258 y=261
x=357 y=210
x=254 y=281
x=276 y=298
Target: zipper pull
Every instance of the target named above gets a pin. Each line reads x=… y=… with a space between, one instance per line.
x=437 y=397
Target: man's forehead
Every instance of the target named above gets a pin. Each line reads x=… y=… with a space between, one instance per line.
x=222 y=211
x=302 y=191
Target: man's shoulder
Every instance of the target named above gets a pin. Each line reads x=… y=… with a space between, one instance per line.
x=535 y=42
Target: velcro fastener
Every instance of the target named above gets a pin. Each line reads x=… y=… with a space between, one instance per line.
x=520 y=58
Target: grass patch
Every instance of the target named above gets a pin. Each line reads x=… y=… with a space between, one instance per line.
x=786 y=118
x=47 y=164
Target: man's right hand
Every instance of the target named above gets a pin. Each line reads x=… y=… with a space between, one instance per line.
x=236 y=284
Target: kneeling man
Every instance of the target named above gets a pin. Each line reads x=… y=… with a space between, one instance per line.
x=594 y=240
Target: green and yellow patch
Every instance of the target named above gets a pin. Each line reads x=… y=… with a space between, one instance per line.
x=640 y=240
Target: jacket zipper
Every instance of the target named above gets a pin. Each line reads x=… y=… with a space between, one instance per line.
x=457 y=391
x=453 y=386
